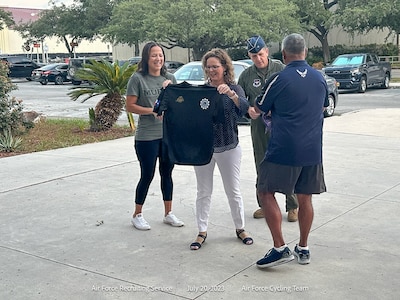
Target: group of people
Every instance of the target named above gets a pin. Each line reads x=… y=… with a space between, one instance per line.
x=287 y=153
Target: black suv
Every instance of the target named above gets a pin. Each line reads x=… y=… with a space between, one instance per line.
x=77 y=63
x=20 y=67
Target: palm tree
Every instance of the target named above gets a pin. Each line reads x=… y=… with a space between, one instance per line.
x=106 y=78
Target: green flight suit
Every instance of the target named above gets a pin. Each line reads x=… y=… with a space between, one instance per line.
x=252 y=81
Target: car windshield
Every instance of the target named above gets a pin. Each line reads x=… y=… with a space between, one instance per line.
x=348 y=60
x=194 y=72
x=238 y=69
x=190 y=72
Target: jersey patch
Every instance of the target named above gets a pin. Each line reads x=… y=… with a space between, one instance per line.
x=302 y=74
x=257 y=82
x=205 y=103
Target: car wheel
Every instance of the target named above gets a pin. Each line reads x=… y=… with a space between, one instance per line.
x=58 y=80
x=363 y=85
x=330 y=109
x=386 y=81
x=44 y=82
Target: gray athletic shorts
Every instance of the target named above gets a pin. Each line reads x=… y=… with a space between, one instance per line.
x=290 y=180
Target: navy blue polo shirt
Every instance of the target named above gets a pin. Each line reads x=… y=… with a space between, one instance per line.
x=189 y=114
x=296 y=97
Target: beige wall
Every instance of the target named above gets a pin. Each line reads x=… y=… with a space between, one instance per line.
x=123 y=52
x=337 y=36
x=11 y=43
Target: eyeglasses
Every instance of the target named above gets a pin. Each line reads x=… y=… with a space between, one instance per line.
x=212 y=67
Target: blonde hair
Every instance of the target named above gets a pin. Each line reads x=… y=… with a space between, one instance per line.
x=226 y=62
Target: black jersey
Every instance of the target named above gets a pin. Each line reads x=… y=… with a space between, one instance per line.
x=189 y=114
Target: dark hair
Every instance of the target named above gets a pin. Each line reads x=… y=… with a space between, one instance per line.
x=226 y=62
x=143 y=66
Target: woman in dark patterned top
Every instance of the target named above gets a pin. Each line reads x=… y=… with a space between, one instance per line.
x=227 y=155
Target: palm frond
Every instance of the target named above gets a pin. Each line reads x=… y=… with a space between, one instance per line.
x=106 y=78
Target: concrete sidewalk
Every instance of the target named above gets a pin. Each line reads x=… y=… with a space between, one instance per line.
x=66 y=234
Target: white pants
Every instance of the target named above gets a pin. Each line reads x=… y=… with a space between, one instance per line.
x=228 y=163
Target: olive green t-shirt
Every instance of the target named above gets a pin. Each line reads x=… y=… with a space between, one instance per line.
x=147 y=88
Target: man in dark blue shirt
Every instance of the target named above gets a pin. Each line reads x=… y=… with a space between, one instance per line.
x=296 y=98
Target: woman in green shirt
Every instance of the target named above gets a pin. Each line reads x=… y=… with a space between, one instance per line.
x=142 y=91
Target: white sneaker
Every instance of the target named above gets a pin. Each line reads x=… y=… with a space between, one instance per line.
x=172 y=220
x=140 y=223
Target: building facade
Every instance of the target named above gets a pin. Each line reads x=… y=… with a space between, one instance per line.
x=11 y=42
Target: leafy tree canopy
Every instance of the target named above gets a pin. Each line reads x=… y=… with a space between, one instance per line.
x=317 y=17
x=201 y=24
x=5 y=19
x=363 y=16
x=82 y=20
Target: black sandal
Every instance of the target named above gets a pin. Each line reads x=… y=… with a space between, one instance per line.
x=246 y=240
x=197 y=245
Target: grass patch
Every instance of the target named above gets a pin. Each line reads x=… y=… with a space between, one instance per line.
x=60 y=133
x=395 y=80
x=396 y=65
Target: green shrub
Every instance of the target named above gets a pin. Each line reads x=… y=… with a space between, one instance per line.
x=6 y=86
x=11 y=116
x=8 y=143
x=238 y=53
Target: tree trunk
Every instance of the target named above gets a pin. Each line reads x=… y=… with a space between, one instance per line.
x=67 y=45
x=325 y=50
x=107 y=111
x=136 y=48
x=197 y=54
x=321 y=33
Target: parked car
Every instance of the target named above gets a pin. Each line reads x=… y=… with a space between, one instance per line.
x=192 y=72
x=56 y=73
x=75 y=64
x=247 y=61
x=359 y=71
x=172 y=66
x=333 y=94
x=135 y=60
x=20 y=66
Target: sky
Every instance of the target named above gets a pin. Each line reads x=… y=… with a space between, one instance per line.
x=31 y=3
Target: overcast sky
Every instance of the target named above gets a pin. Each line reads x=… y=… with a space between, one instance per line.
x=31 y=3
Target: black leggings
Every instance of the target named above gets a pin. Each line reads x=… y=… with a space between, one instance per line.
x=147 y=153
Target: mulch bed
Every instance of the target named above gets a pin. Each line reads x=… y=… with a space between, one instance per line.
x=8 y=154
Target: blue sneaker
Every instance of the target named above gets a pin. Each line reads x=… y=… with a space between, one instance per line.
x=274 y=258
x=303 y=256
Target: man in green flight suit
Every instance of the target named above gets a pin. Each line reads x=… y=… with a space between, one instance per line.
x=252 y=81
